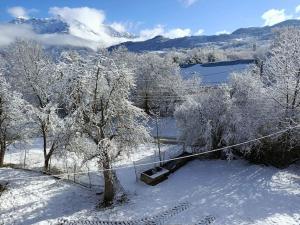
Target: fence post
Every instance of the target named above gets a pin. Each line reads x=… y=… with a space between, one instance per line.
x=25 y=154
x=67 y=169
x=74 y=175
x=90 y=182
x=136 y=175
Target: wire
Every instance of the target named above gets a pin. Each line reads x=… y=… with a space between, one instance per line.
x=163 y=161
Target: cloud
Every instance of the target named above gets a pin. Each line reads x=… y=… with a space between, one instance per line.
x=151 y=33
x=87 y=28
x=160 y=30
x=188 y=3
x=297 y=9
x=11 y=32
x=88 y=23
x=178 y=33
x=90 y=17
x=274 y=16
x=18 y=12
x=199 y=32
x=118 y=27
x=222 y=32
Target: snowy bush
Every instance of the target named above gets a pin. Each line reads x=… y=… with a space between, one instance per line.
x=203 y=119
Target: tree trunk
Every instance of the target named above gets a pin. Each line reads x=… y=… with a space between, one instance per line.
x=46 y=159
x=2 y=153
x=110 y=180
x=109 y=189
x=146 y=105
x=46 y=164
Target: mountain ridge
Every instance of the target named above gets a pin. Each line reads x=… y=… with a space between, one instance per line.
x=239 y=37
x=242 y=35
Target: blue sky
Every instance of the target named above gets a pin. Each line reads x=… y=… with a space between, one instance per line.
x=186 y=16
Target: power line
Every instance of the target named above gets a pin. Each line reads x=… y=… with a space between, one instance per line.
x=167 y=160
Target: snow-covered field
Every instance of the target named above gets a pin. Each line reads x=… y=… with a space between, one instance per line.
x=212 y=74
x=166 y=127
x=232 y=192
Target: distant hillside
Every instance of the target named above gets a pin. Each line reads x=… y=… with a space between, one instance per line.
x=242 y=36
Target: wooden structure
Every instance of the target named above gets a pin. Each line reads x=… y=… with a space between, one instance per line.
x=155 y=175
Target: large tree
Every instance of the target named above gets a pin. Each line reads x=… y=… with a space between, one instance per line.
x=34 y=75
x=104 y=115
x=13 y=117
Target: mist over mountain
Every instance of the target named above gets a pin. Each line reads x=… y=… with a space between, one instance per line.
x=56 y=25
x=78 y=34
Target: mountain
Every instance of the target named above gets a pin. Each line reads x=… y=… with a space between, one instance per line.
x=44 y=26
x=238 y=38
x=56 y=25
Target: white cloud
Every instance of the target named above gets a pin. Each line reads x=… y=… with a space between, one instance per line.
x=297 y=10
x=87 y=23
x=151 y=33
x=11 y=32
x=188 y=3
x=118 y=27
x=89 y=17
x=274 y=16
x=222 y=32
x=178 y=33
x=160 y=30
x=18 y=12
x=199 y=32
x=87 y=28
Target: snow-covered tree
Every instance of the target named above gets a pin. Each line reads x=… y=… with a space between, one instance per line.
x=34 y=75
x=253 y=112
x=99 y=97
x=266 y=99
x=259 y=101
x=281 y=74
x=203 y=119
x=13 y=118
x=159 y=84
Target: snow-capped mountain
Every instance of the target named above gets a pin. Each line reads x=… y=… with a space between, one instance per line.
x=44 y=26
x=56 y=25
x=107 y=35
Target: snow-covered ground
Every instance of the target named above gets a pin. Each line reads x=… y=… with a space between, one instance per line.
x=166 y=127
x=233 y=192
x=70 y=163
